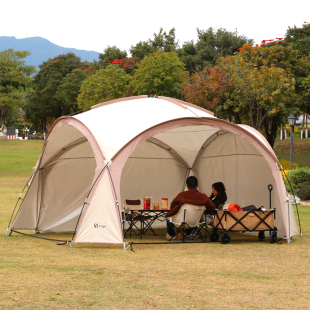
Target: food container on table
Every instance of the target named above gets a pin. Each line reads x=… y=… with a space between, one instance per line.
x=156 y=206
x=164 y=203
x=146 y=203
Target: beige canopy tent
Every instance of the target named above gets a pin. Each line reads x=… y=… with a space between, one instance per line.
x=136 y=147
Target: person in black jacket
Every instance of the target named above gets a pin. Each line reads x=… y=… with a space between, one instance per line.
x=218 y=196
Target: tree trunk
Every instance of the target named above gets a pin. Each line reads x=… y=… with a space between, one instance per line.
x=271 y=127
x=2 y=114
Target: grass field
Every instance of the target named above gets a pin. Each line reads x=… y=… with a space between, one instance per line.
x=246 y=274
x=301 y=150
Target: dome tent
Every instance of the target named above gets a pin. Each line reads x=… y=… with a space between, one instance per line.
x=138 y=146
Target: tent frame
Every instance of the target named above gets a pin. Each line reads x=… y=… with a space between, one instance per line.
x=117 y=162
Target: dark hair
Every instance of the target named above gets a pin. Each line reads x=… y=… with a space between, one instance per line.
x=219 y=187
x=192 y=182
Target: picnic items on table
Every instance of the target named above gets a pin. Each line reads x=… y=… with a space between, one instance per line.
x=156 y=206
x=149 y=204
x=146 y=203
x=164 y=203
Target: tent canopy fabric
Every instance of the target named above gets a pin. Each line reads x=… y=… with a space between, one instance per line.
x=135 y=147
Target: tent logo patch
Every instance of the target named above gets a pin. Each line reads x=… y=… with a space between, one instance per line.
x=96 y=225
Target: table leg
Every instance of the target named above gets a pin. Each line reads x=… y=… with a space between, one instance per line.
x=141 y=225
x=130 y=222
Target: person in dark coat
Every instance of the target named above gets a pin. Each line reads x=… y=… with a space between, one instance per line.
x=191 y=196
x=218 y=196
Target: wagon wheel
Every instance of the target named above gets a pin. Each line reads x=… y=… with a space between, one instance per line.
x=273 y=237
x=261 y=236
x=213 y=236
x=225 y=239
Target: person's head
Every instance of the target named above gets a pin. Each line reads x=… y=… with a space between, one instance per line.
x=218 y=189
x=192 y=182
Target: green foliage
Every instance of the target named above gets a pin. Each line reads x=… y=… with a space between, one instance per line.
x=109 y=83
x=68 y=91
x=264 y=86
x=305 y=84
x=208 y=88
x=211 y=46
x=110 y=53
x=47 y=101
x=15 y=78
x=304 y=192
x=299 y=39
x=162 y=42
x=159 y=74
x=299 y=178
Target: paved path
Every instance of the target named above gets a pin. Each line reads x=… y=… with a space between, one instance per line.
x=305 y=203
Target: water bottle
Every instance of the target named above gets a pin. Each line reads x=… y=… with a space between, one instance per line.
x=152 y=203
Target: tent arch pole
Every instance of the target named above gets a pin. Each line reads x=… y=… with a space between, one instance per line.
x=205 y=144
x=18 y=200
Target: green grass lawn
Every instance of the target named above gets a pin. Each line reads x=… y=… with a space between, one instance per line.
x=246 y=274
x=301 y=150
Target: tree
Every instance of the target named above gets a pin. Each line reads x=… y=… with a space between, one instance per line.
x=211 y=46
x=159 y=74
x=265 y=93
x=45 y=99
x=306 y=94
x=256 y=86
x=162 y=42
x=110 y=53
x=208 y=88
x=128 y=64
x=107 y=84
x=69 y=90
x=299 y=39
x=15 y=78
x=285 y=57
x=264 y=86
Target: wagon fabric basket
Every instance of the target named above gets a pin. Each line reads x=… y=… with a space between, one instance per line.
x=244 y=221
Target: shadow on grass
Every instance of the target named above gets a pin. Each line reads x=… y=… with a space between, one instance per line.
x=148 y=238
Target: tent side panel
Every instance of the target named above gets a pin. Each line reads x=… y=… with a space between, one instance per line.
x=65 y=186
x=289 y=216
x=27 y=215
x=152 y=171
x=100 y=223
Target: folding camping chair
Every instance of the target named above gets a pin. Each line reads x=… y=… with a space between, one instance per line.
x=128 y=216
x=189 y=217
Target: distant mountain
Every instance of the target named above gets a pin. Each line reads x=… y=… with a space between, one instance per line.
x=42 y=49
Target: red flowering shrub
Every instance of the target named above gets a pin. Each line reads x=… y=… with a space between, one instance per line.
x=129 y=65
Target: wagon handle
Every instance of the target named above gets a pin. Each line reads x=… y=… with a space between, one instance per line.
x=270 y=188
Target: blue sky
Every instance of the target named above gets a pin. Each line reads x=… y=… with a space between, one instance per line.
x=93 y=25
